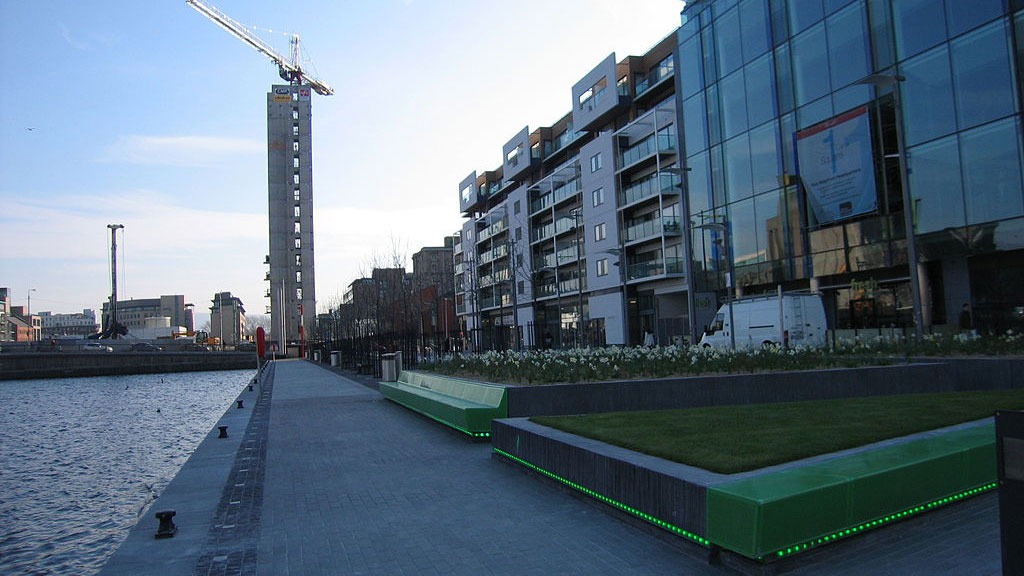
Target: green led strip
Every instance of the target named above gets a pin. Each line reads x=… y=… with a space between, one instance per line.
x=789 y=551
x=628 y=509
x=445 y=422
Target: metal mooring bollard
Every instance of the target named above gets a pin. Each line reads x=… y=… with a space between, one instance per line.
x=239 y=403
x=223 y=431
x=167 y=528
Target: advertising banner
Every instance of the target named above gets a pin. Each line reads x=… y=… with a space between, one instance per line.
x=835 y=161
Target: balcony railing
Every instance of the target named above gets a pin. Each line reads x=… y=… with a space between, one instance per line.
x=496 y=228
x=567 y=190
x=668 y=224
x=590 y=104
x=542 y=232
x=659 y=183
x=540 y=203
x=647 y=147
x=655 y=76
x=655 y=268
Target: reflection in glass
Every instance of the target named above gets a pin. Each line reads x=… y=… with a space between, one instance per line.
x=981 y=75
x=737 y=162
x=760 y=92
x=927 y=96
x=935 y=185
x=691 y=70
x=727 y=37
x=698 y=182
x=734 y=106
x=695 y=124
x=764 y=156
x=744 y=233
x=754 y=28
x=990 y=156
x=962 y=16
x=810 y=65
x=919 y=26
x=848 y=48
x=803 y=13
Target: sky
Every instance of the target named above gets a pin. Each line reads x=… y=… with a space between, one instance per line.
x=148 y=115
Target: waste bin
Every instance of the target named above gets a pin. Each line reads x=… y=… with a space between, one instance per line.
x=387 y=368
x=335 y=358
x=316 y=355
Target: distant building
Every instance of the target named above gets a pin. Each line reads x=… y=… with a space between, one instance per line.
x=133 y=313
x=79 y=324
x=5 y=310
x=21 y=326
x=227 y=319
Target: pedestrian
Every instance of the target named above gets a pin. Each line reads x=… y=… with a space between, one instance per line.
x=966 y=322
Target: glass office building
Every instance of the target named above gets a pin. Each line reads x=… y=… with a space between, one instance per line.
x=809 y=127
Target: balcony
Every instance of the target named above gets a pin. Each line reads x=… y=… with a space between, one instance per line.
x=659 y=183
x=543 y=232
x=566 y=255
x=650 y=146
x=498 y=252
x=566 y=224
x=655 y=77
x=566 y=191
x=492 y=230
x=540 y=203
x=669 y=225
x=654 y=268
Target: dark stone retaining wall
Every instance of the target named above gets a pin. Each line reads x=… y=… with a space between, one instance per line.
x=651 y=485
x=80 y=364
x=945 y=375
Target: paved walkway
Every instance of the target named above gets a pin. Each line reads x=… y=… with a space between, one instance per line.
x=330 y=478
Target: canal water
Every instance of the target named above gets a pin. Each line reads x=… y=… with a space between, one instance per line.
x=81 y=458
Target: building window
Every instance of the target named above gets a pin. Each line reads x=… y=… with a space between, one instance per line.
x=298 y=228
x=602 y=267
x=295 y=113
x=295 y=146
x=519 y=233
x=298 y=260
x=516 y=207
x=595 y=162
x=298 y=243
x=298 y=293
x=598 y=196
x=295 y=178
x=599 y=232
x=296 y=194
x=295 y=130
x=298 y=277
x=296 y=211
x=295 y=162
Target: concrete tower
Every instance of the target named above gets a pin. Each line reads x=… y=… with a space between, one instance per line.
x=291 y=278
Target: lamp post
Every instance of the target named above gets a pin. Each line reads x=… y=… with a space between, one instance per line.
x=723 y=227
x=577 y=215
x=684 y=203
x=28 y=312
x=882 y=80
x=620 y=254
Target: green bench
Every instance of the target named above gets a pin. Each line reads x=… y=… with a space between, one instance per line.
x=780 y=513
x=465 y=405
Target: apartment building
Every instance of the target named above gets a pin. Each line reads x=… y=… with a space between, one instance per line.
x=576 y=239
x=818 y=133
x=227 y=319
x=80 y=324
x=133 y=313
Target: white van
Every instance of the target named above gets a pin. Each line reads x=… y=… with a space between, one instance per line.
x=757 y=322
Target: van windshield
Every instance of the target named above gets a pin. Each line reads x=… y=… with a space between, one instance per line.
x=717 y=325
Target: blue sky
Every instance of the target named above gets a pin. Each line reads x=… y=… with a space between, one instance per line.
x=147 y=114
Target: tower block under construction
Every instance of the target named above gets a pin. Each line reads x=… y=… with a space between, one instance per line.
x=292 y=286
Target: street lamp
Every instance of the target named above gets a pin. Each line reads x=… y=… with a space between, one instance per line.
x=28 y=313
x=577 y=215
x=684 y=204
x=620 y=263
x=723 y=227
x=883 y=80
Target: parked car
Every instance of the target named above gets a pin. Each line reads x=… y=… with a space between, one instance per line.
x=144 y=347
x=96 y=347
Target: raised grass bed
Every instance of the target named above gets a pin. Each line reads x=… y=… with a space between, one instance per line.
x=775 y=512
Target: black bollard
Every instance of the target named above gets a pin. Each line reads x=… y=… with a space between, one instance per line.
x=239 y=403
x=223 y=431
x=250 y=387
x=167 y=528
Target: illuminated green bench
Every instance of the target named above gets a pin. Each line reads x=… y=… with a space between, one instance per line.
x=780 y=513
x=465 y=405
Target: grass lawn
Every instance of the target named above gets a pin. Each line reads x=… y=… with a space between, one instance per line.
x=731 y=439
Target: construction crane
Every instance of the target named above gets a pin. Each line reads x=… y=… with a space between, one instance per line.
x=289 y=69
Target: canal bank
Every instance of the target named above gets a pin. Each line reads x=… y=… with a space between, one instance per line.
x=351 y=483
x=33 y=365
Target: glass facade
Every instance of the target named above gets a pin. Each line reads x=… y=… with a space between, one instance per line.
x=762 y=80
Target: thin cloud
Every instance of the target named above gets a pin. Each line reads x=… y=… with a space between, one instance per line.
x=75 y=43
x=189 y=151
